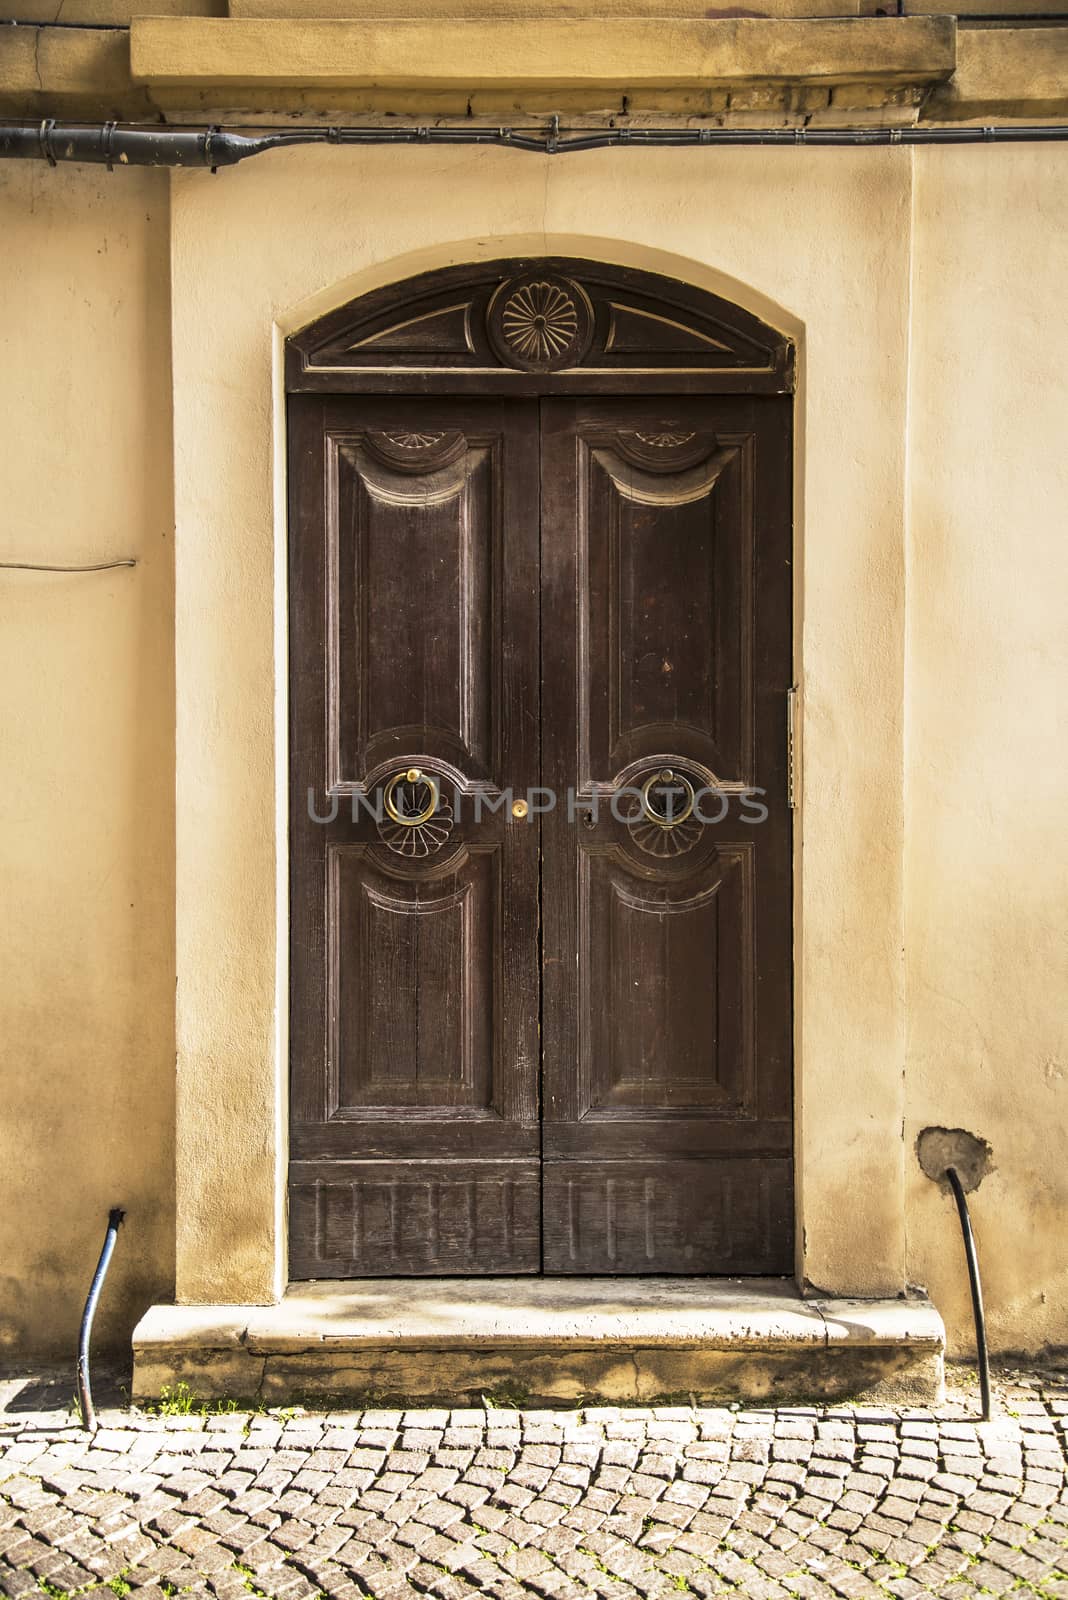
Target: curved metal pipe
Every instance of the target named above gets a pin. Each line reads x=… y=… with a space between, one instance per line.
x=85 y=1393
x=976 y=1288
x=114 y=144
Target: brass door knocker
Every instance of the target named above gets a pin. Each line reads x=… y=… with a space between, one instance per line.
x=415 y=833
x=674 y=781
x=411 y=819
x=673 y=831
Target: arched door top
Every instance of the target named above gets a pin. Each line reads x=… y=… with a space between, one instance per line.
x=553 y=325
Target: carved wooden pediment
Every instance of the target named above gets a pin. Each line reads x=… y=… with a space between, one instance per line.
x=517 y=324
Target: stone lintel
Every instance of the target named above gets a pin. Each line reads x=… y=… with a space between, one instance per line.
x=558 y=55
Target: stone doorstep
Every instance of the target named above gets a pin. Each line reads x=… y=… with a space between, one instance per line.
x=549 y=1339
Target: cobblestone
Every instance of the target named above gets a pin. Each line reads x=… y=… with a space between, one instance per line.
x=814 y=1503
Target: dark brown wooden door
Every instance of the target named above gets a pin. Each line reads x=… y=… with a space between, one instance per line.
x=556 y=1042
x=415 y=1142
x=666 y=1001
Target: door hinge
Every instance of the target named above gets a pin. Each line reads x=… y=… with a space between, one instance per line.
x=793 y=761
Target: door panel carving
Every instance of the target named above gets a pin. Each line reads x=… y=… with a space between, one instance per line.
x=437 y=945
x=666 y=605
x=665 y=969
x=415 y=547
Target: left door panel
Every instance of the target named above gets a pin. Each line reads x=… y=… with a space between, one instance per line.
x=413 y=616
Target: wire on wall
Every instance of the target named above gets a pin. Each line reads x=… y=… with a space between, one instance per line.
x=46 y=566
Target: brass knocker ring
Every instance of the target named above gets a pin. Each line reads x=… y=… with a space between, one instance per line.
x=413 y=775
x=667 y=776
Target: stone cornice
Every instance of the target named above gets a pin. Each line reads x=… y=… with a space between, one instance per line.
x=818 y=71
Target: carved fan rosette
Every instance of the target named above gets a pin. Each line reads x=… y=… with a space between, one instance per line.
x=540 y=322
x=416 y=451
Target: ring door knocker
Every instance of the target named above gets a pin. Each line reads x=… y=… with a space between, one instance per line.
x=668 y=827
x=416 y=820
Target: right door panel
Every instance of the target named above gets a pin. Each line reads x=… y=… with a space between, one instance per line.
x=666 y=659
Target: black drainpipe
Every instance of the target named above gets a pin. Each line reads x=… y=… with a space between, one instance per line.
x=123 y=144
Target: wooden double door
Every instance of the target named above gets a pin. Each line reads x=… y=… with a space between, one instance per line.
x=540 y=875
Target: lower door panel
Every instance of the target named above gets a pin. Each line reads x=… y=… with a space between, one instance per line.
x=356 y=1219
x=668 y=1216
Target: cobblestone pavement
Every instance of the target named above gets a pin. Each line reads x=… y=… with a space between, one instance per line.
x=805 y=1501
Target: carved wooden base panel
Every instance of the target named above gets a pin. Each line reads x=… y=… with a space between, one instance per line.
x=378 y=1219
x=668 y=1216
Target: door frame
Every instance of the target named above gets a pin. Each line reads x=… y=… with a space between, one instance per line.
x=538 y=329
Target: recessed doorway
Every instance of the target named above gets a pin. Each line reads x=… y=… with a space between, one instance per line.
x=541 y=891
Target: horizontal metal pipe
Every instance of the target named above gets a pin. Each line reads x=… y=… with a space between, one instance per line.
x=118 y=144
x=121 y=144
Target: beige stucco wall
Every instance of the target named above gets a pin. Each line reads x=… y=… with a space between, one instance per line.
x=260 y=250
x=884 y=267
x=86 y=797
x=923 y=291
x=986 y=732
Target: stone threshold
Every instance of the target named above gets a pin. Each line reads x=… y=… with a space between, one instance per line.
x=550 y=1340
